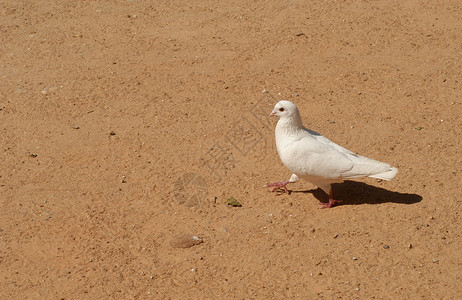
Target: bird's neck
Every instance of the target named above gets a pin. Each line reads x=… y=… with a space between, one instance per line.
x=290 y=126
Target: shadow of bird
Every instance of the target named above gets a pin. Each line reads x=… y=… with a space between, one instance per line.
x=356 y=193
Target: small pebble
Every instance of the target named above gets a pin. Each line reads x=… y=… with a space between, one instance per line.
x=112 y=133
x=233 y=202
x=185 y=241
x=354 y=258
x=75 y=127
x=386 y=247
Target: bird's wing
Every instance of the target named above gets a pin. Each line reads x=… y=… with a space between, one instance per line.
x=322 y=139
x=315 y=155
x=308 y=156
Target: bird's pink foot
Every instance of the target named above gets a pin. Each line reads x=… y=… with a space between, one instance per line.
x=279 y=185
x=330 y=203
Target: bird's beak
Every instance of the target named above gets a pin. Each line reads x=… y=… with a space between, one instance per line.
x=272 y=113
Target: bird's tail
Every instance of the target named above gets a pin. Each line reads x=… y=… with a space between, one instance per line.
x=388 y=175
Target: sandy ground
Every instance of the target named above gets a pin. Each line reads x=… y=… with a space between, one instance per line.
x=126 y=125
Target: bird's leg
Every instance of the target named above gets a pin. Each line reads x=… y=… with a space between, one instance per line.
x=331 y=201
x=282 y=184
x=279 y=185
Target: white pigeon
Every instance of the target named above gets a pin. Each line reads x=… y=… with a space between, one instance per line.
x=313 y=157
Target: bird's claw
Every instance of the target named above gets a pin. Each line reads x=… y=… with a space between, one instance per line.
x=329 y=204
x=279 y=185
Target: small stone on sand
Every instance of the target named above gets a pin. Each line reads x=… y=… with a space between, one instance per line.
x=185 y=241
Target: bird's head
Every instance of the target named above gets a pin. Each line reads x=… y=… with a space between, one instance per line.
x=285 y=109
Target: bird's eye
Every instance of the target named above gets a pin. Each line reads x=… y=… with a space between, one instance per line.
x=281 y=109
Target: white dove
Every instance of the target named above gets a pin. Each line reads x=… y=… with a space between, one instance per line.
x=313 y=157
